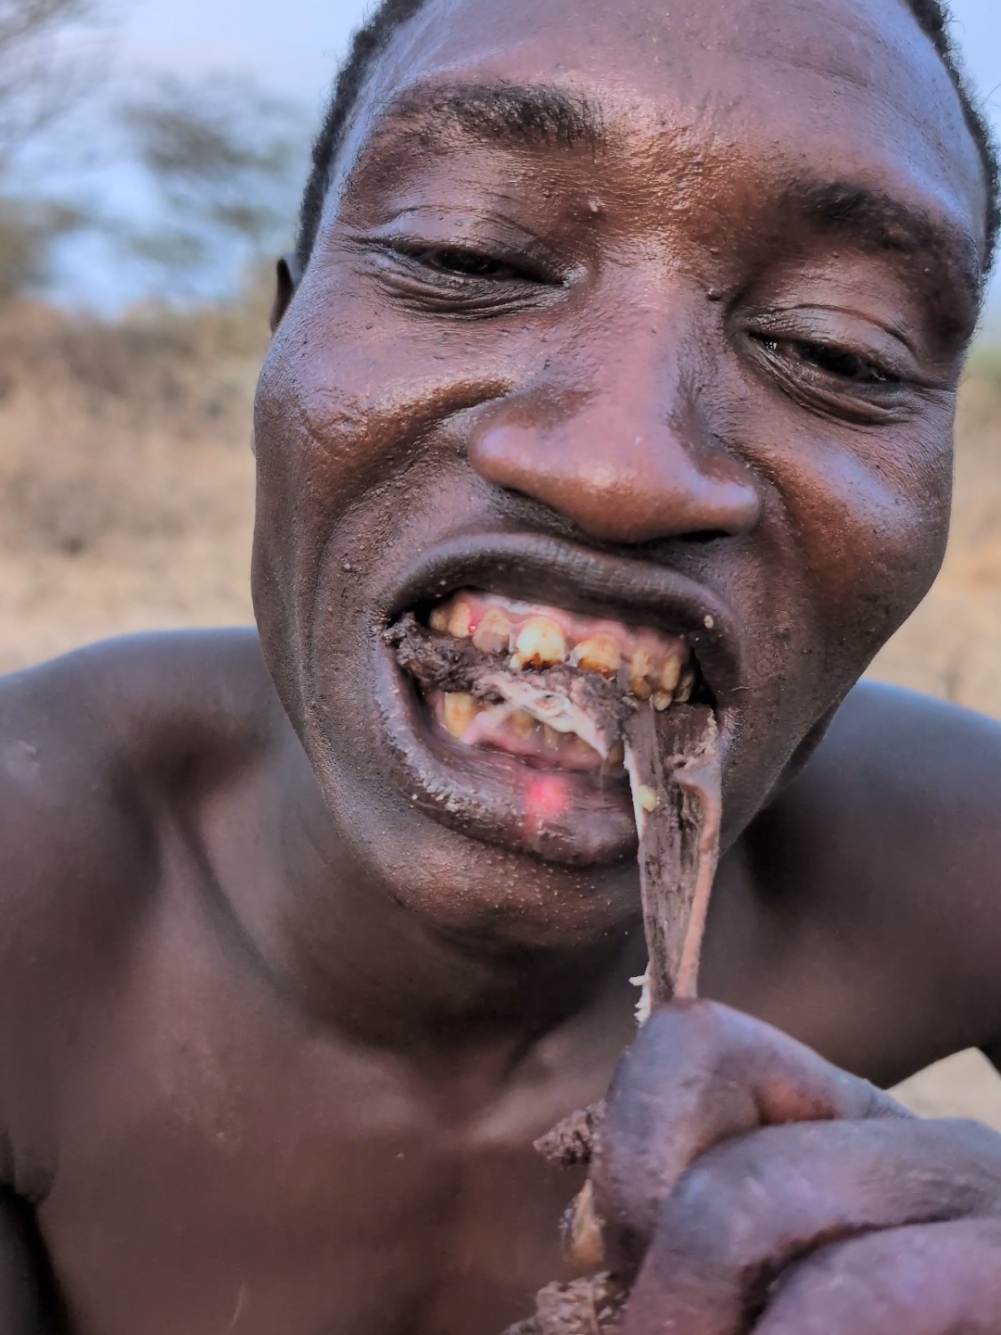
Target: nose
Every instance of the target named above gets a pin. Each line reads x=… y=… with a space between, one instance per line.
x=626 y=461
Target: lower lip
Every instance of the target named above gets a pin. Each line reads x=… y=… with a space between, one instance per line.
x=558 y=815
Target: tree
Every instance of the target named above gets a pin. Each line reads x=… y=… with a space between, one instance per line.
x=227 y=161
x=39 y=81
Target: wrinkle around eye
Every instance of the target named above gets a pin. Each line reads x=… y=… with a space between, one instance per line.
x=876 y=402
x=464 y=288
x=852 y=367
x=460 y=262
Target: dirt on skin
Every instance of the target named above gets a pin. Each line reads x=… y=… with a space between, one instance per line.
x=126 y=503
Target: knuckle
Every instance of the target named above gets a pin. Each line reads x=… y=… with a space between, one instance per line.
x=716 y=1208
x=682 y=1035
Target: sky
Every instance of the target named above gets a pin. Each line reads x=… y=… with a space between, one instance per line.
x=294 y=44
x=293 y=47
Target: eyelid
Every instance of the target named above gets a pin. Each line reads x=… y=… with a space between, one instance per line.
x=408 y=234
x=417 y=253
x=847 y=331
x=775 y=343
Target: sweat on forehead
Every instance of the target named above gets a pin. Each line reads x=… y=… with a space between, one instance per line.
x=875 y=51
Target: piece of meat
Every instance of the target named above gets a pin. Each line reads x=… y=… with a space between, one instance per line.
x=566 y=698
x=591 y=1306
x=435 y=661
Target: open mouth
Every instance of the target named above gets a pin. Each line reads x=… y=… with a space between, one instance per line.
x=540 y=683
x=510 y=666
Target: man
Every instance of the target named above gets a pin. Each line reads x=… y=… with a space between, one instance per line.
x=637 y=315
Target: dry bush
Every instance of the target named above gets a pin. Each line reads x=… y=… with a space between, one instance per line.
x=126 y=478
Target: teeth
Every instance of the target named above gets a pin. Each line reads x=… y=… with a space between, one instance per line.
x=598 y=653
x=685 y=686
x=460 y=710
x=656 y=668
x=670 y=674
x=580 y=748
x=639 y=669
x=493 y=634
x=522 y=723
x=459 y=621
x=540 y=643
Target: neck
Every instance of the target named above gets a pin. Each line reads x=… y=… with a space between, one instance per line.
x=359 y=961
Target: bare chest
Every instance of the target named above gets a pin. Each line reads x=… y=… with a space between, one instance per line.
x=219 y=1166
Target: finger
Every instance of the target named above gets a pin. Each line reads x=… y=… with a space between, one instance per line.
x=936 y=1279
x=751 y=1207
x=697 y=1074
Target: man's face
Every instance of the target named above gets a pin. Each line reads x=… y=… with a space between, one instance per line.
x=648 y=316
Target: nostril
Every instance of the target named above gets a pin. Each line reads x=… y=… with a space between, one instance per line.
x=705 y=536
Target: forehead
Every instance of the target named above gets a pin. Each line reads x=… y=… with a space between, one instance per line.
x=854 y=91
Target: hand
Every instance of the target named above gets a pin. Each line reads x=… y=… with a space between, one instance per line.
x=750 y=1185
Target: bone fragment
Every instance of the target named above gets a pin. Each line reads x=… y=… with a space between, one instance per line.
x=675 y=757
x=555 y=708
x=591 y=1306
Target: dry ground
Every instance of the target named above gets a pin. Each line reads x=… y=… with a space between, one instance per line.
x=126 y=475
x=126 y=503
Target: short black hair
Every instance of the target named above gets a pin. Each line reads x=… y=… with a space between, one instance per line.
x=372 y=39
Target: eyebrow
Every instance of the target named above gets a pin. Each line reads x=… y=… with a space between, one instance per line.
x=877 y=220
x=534 y=115
x=540 y=115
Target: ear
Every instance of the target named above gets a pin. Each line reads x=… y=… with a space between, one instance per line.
x=288 y=276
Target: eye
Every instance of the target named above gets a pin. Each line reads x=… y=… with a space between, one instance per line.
x=467 y=264
x=852 y=367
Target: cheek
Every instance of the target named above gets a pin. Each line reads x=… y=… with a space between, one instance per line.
x=872 y=516
x=351 y=391
x=320 y=411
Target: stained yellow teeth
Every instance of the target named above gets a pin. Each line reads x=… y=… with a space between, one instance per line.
x=652 y=665
x=460 y=710
x=598 y=653
x=540 y=643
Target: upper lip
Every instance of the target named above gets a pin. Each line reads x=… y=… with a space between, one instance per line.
x=551 y=570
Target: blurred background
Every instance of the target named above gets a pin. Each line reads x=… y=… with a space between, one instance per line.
x=151 y=157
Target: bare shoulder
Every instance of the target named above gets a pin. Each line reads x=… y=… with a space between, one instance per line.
x=91 y=742
x=893 y=752
x=95 y=749
x=112 y=719
x=889 y=844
